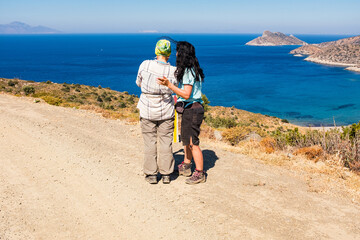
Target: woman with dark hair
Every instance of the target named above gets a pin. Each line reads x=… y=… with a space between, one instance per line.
x=190 y=77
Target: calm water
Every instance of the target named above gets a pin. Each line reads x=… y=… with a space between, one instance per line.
x=267 y=80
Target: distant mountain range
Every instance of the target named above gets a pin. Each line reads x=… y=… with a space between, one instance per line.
x=23 y=28
x=275 y=39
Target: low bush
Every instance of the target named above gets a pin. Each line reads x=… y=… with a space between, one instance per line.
x=12 y=83
x=269 y=144
x=131 y=99
x=122 y=105
x=312 y=153
x=107 y=99
x=52 y=100
x=29 y=90
x=344 y=143
x=206 y=102
x=237 y=134
x=66 y=88
x=219 y=122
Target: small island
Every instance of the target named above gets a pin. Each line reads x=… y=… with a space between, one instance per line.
x=275 y=39
x=344 y=52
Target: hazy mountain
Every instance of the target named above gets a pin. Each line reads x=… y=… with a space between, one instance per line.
x=23 y=28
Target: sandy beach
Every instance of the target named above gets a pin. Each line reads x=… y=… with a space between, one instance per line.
x=71 y=174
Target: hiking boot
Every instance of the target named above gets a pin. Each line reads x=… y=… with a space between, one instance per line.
x=184 y=169
x=151 y=179
x=197 y=177
x=166 y=179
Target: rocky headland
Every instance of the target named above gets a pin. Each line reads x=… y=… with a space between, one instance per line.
x=343 y=52
x=275 y=39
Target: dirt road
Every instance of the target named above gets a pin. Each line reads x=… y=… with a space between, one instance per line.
x=71 y=174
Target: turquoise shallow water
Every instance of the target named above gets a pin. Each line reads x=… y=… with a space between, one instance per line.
x=267 y=80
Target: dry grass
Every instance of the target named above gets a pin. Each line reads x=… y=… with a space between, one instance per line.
x=268 y=144
x=312 y=153
x=108 y=103
x=248 y=119
x=323 y=176
x=237 y=134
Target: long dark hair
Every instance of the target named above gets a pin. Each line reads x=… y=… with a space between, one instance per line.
x=186 y=59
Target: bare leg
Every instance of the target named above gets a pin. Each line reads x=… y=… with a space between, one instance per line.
x=187 y=154
x=198 y=156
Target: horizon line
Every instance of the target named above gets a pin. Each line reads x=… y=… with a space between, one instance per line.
x=156 y=33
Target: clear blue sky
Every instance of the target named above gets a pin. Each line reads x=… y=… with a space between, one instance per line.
x=189 y=16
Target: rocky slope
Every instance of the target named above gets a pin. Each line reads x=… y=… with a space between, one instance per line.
x=343 y=52
x=306 y=50
x=275 y=39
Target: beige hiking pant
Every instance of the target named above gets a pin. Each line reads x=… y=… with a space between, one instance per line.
x=152 y=131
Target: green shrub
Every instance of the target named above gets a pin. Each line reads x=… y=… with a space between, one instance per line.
x=219 y=122
x=29 y=90
x=107 y=106
x=351 y=131
x=52 y=100
x=122 y=105
x=66 y=88
x=12 y=83
x=131 y=99
x=107 y=99
x=205 y=102
x=236 y=134
x=40 y=94
x=71 y=98
x=284 y=121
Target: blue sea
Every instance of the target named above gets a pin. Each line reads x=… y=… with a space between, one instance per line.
x=265 y=80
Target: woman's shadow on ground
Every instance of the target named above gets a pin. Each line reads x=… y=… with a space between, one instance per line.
x=210 y=158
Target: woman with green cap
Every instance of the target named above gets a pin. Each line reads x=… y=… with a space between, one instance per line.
x=156 y=106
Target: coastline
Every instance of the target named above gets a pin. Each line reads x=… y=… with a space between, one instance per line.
x=317 y=60
x=348 y=66
x=354 y=69
x=270 y=44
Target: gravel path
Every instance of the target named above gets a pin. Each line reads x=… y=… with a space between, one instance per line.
x=71 y=174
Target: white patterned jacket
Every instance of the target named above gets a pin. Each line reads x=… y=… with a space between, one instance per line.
x=156 y=102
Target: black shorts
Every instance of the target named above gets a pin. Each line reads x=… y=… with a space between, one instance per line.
x=190 y=124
